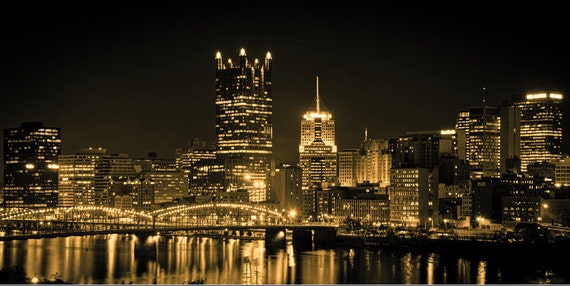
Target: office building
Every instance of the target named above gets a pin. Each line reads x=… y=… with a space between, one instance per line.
x=244 y=132
x=483 y=147
x=540 y=127
x=412 y=198
x=30 y=166
x=287 y=187
x=77 y=177
x=318 y=151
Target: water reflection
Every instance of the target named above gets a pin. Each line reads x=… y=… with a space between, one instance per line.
x=111 y=259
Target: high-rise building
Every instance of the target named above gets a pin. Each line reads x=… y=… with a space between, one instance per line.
x=540 y=127
x=108 y=167
x=412 y=198
x=30 y=166
x=347 y=167
x=424 y=148
x=170 y=182
x=203 y=172
x=462 y=133
x=510 y=138
x=375 y=162
x=287 y=186
x=244 y=132
x=317 y=151
x=483 y=149
x=77 y=177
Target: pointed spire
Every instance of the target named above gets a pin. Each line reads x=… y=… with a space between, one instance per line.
x=219 y=60
x=318 y=99
x=242 y=52
x=365 y=133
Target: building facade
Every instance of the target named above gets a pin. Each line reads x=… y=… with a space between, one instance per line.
x=77 y=177
x=411 y=196
x=540 y=127
x=483 y=151
x=30 y=166
x=318 y=151
x=244 y=135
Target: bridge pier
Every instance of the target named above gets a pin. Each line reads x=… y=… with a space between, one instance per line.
x=324 y=238
x=144 y=245
x=302 y=239
x=275 y=237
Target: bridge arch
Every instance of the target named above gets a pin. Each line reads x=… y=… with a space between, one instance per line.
x=70 y=213
x=225 y=213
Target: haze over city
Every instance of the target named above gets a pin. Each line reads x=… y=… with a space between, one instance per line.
x=137 y=77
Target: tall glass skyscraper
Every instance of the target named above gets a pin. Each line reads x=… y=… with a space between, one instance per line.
x=317 y=151
x=30 y=166
x=483 y=150
x=540 y=127
x=244 y=135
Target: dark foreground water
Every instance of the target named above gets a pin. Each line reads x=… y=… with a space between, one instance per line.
x=111 y=259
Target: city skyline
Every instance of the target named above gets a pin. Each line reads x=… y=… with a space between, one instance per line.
x=141 y=73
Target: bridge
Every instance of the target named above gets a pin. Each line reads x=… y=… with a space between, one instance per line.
x=210 y=218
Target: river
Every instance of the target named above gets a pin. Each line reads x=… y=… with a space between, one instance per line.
x=111 y=259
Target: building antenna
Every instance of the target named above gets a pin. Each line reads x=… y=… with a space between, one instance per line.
x=365 y=134
x=318 y=99
x=484 y=89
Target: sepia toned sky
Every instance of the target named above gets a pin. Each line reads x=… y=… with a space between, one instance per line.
x=138 y=76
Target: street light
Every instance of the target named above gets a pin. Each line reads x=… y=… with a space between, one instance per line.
x=292 y=215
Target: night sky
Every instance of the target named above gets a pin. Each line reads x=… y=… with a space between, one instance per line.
x=137 y=77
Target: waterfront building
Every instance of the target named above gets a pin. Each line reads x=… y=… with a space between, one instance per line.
x=77 y=177
x=30 y=166
x=318 y=151
x=140 y=189
x=411 y=196
x=108 y=166
x=287 y=187
x=244 y=135
x=188 y=160
x=520 y=209
x=540 y=127
x=488 y=194
x=170 y=182
x=374 y=209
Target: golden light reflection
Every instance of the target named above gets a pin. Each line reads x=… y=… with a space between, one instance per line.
x=430 y=269
x=290 y=255
x=481 y=272
x=111 y=256
x=407 y=265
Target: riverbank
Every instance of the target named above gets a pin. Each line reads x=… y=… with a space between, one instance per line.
x=459 y=247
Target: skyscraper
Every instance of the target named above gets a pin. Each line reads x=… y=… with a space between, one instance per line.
x=540 y=127
x=30 y=166
x=77 y=177
x=317 y=151
x=483 y=150
x=244 y=132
